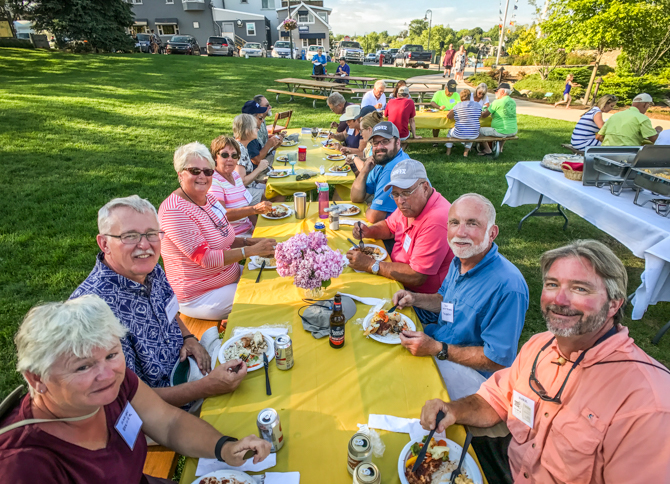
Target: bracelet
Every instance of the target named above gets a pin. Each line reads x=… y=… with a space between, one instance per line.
x=219 y=446
x=244 y=256
x=190 y=336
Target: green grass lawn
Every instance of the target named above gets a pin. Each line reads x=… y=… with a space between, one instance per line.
x=76 y=131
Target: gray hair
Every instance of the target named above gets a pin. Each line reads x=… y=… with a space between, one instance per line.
x=75 y=327
x=184 y=153
x=244 y=126
x=490 y=209
x=606 y=264
x=140 y=205
x=336 y=99
x=483 y=88
x=258 y=98
x=507 y=92
x=381 y=84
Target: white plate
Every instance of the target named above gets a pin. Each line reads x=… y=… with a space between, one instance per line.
x=287 y=144
x=279 y=174
x=253 y=365
x=382 y=249
x=455 y=450
x=389 y=339
x=290 y=212
x=282 y=159
x=333 y=170
x=348 y=205
x=259 y=261
x=240 y=476
x=336 y=158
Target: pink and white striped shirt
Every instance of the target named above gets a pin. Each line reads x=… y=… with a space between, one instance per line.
x=233 y=196
x=192 y=250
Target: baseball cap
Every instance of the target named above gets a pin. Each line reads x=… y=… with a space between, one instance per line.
x=404 y=90
x=385 y=129
x=643 y=98
x=406 y=173
x=367 y=110
x=252 y=107
x=352 y=111
x=342 y=58
x=504 y=85
x=451 y=85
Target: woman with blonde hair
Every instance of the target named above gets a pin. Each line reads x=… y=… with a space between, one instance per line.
x=584 y=134
x=567 y=98
x=245 y=130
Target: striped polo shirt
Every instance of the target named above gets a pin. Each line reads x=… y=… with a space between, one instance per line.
x=584 y=134
x=466 y=115
x=233 y=196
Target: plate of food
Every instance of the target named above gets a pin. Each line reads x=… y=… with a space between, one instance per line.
x=375 y=251
x=349 y=209
x=441 y=459
x=249 y=347
x=386 y=327
x=278 y=173
x=225 y=477
x=278 y=212
x=331 y=146
x=282 y=158
x=336 y=157
x=324 y=134
x=270 y=262
x=288 y=142
x=340 y=169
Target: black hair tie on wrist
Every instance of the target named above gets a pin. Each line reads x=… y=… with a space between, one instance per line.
x=189 y=336
x=219 y=446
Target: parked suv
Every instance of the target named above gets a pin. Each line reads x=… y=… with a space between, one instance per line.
x=220 y=46
x=411 y=55
x=183 y=44
x=351 y=51
x=389 y=57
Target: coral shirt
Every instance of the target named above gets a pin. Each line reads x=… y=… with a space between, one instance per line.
x=423 y=243
x=612 y=425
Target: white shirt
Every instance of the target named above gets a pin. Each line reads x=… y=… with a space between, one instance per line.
x=370 y=100
x=663 y=138
x=482 y=101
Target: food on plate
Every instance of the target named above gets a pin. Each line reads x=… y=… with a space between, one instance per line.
x=222 y=480
x=434 y=466
x=277 y=212
x=353 y=210
x=335 y=157
x=249 y=347
x=269 y=261
x=288 y=142
x=332 y=145
x=383 y=323
x=461 y=479
x=555 y=160
x=371 y=251
x=345 y=168
x=277 y=173
x=282 y=158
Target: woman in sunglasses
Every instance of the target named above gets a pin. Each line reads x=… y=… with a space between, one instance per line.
x=228 y=187
x=200 y=250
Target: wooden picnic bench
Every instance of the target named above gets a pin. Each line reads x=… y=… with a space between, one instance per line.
x=481 y=139
x=361 y=82
x=568 y=146
x=320 y=90
x=314 y=97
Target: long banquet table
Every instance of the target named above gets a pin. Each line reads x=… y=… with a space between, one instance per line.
x=328 y=391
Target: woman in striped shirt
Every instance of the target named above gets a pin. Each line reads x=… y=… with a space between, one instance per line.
x=200 y=251
x=584 y=134
x=466 y=115
x=229 y=190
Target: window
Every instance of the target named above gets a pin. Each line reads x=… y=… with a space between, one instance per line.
x=244 y=1
x=251 y=28
x=323 y=15
x=268 y=4
x=305 y=18
x=196 y=25
x=168 y=29
x=169 y=2
x=136 y=2
x=305 y=43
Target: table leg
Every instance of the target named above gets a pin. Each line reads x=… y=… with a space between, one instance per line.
x=660 y=333
x=536 y=213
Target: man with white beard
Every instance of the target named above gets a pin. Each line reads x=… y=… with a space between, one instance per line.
x=481 y=304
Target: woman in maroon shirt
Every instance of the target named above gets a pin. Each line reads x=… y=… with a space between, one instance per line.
x=70 y=355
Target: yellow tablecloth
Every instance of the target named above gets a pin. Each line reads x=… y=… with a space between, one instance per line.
x=328 y=391
x=316 y=156
x=439 y=120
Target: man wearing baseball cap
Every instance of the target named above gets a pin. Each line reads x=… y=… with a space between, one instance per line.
x=343 y=71
x=630 y=127
x=503 y=117
x=445 y=100
x=421 y=254
x=401 y=112
x=376 y=172
x=256 y=151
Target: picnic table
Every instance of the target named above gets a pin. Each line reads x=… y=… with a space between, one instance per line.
x=439 y=120
x=323 y=87
x=417 y=92
x=316 y=156
x=361 y=82
x=328 y=392
x=428 y=81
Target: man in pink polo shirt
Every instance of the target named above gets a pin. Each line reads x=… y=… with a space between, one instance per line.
x=421 y=254
x=583 y=403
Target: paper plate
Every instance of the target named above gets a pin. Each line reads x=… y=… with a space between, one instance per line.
x=255 y=363
x=288 y=143
x=382 y=249
x=329 y=150
x=469 y=465
x=336 y=158
x=389 y=339
x=240 y=476
x=288 y=214
x=259 y=261
x=282 y=159
x=349 y=214
x=278 y=174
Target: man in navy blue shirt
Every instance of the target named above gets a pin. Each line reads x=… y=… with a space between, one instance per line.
x=257 y=151
x=343 y=71
x=480 y=307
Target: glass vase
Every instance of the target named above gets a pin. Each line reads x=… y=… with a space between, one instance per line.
x=317 y=293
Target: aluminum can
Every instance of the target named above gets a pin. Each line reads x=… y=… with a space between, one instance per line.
x=284 y=352
x=360 y=451
x=367 y=473
x=269 y=427
x=300 y=204
x=320 y=227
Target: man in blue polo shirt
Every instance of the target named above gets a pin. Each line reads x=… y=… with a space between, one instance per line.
x=376 y=172
x=258 y=151
x=480 y=308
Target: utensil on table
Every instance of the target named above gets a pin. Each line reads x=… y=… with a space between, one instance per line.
x=424 y=449
x=249 y=454
x=239 y=367
x=353 y=243
x=360 y=244
x=258 y=278
x=457 y=471
x=392 y=309
x=268 y=391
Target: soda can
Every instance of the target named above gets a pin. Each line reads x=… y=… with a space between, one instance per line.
x=284 y=352
x=360 y=451
x=320 y=227
x=269 y=427
x=367 y=473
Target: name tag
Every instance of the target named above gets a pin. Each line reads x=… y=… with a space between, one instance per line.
x=172 y=308
x=523 y=408
x=129 y=425
x=407 y=242
x=447 y=312
x=247 y=196
x=350 y=131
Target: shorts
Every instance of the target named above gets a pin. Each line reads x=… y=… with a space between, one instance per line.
x=257 y=191
x=212 y=306
x=492 y=132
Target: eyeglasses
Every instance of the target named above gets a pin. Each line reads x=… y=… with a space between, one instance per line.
x=405 y=194
x=383 y=141
x=197 y=171
x=133 y=238
x=225 y=156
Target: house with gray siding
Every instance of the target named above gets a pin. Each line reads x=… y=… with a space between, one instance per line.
x=313 y=27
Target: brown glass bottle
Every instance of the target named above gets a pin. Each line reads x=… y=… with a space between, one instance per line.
x=337 y=322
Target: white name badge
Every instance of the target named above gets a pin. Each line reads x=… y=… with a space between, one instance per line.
x=172 y=308
x=129 y=425
x=447 y=312
x=247 y=196
x=523 y=408
x=407 y=242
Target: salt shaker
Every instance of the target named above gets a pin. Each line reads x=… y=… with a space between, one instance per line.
x=334 y=221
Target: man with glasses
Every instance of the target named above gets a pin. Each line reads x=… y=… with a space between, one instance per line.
x=420 y=258
x=130 y=280
x=260 y=150
x=583 y=402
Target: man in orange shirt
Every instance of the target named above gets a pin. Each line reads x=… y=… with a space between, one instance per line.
x=583 y=403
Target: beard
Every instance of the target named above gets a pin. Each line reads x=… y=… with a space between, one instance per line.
x=382 y=156
x=472 y=250
x=585 y=325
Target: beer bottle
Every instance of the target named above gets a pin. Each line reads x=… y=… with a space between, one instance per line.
x=337 y=321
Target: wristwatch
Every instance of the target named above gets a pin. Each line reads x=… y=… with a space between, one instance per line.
x=375 y=267
x=444 y=352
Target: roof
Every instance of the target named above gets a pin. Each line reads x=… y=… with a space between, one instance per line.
x=309 y=8
x=224 y=14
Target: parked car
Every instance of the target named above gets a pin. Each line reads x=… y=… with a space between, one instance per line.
x=183 y=44
x=379 y=53
x=314 y=49
x=143 y=43
x=221 y=46
x=253 y=49
x=413 y=56
x=351 y=51
x=370 y=57
x=282 y=49
x=389 y=57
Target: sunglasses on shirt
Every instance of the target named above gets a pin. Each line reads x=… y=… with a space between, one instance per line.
x=197 y=171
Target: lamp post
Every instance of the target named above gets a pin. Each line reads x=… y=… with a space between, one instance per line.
x=430 y=25
x=290 y=32
x=502 y=33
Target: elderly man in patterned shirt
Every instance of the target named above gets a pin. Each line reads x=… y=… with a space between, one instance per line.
x=130 y=280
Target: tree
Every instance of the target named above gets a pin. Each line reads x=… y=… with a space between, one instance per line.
x=13 y=10
x=525 y=43
x=417 y=26
x=643 y=48
x=101 y=23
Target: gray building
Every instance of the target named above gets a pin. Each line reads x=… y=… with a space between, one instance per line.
x=313 y=27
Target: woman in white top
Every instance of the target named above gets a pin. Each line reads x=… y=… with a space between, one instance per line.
x=584 y=134
x=245 y=129
x=480 y=95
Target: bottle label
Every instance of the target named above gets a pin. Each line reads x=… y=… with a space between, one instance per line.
x=337 y=335
x=337 y=307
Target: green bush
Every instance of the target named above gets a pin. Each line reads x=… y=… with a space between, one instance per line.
x=485 y=78
x=492 y=60
x=540 y=87
x=17 y=43
x=626 y=88
x=578 y=60
x=582 y=75
x=522 y=60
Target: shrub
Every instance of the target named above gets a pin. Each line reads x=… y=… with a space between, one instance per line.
x=79 y=47
x=522 y=60
x=626 y=88
x=485 y=78
x=573 y=59
x=521 y=74
x=17 y=43
x=492 y=60
x=540 y=87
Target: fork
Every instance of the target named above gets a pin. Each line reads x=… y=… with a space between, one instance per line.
x=361 y=245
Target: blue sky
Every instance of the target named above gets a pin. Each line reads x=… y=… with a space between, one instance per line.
x=362 y=16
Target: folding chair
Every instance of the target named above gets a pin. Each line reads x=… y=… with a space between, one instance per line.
x=278 y=116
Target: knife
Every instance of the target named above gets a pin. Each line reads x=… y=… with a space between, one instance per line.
x=424 y=449
x=268 y=391
x=354 y=243
x=261 y=271
x=458 y=469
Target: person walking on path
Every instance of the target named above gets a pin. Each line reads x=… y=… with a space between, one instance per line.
x=569 y=84
x=448 y=60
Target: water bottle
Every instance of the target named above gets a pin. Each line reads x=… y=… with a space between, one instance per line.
x=323 y=200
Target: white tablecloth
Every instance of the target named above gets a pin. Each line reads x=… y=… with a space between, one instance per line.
x=640 y=229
